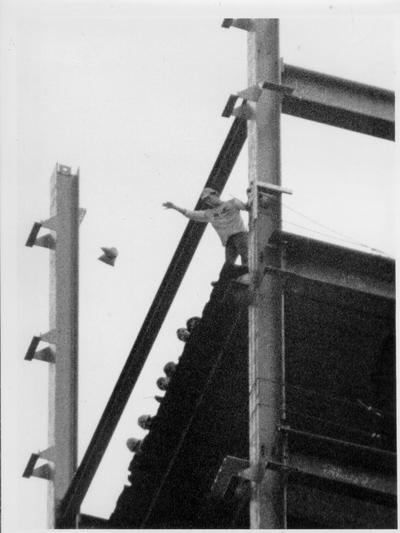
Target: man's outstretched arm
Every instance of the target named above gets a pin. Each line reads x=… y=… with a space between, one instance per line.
x=197 y=216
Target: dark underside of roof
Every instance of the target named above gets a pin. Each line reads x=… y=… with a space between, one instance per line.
x=340 y=359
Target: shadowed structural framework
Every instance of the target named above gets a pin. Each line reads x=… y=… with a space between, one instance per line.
x=338 y=422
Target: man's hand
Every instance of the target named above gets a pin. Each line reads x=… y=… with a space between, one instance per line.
x=170 y=205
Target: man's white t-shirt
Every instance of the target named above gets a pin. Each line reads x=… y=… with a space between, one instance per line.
x=225 y=219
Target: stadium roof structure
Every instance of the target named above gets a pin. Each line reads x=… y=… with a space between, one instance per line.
x=338 y=423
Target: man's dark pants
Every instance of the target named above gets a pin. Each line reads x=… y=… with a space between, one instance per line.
x=236 y=245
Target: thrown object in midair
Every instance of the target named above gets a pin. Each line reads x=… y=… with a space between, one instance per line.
x=109 y=256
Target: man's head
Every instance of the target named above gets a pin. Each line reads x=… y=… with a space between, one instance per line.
x=192 y=323
x=163 y=382
x=169 y=369
x=133 y=444
x=145 y=421
x=210 y=197
x=183 y=334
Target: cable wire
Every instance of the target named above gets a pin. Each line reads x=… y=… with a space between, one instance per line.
x=325 y=234
x=343 y=237
x=357 y=431
x=338 y=399
x=335 y=399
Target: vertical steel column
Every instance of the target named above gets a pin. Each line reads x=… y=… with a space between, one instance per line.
x=63 y=375
x=266 y=506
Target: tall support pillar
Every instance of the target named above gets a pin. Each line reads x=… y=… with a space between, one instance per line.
x=63 y=375
x=267 y=502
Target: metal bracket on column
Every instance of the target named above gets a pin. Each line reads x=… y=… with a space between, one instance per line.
x=48 y=454
x=270 y=188
x=32 y=348
x=31 y=241
x=254 y=473
x=235 y=467
x=244 y=111
x=242 y=24
x=265 y=193
x=50 y=336
x=51 y=223
x=48 y=241
x=47 y=354
x=252 y=94
x=45 y=471
x=230 y=467
x=283 y=90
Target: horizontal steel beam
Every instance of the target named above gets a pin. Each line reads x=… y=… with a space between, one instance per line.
x=344 y=479
x=353 y=278
x=231 y=466
x=148 y=333
x=355 y=447
x=339 y=102
x=334 y=279
x=324 y=474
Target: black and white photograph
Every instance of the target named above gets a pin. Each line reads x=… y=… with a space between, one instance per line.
x=199 y=234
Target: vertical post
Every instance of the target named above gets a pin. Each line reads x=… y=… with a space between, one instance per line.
x=266 y=506
x=63 y=375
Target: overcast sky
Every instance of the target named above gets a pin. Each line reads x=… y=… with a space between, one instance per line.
x=133 y=96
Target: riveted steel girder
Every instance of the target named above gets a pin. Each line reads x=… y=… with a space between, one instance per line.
x=339 y=102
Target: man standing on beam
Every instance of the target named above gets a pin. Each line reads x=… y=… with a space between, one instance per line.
x=227 y=221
